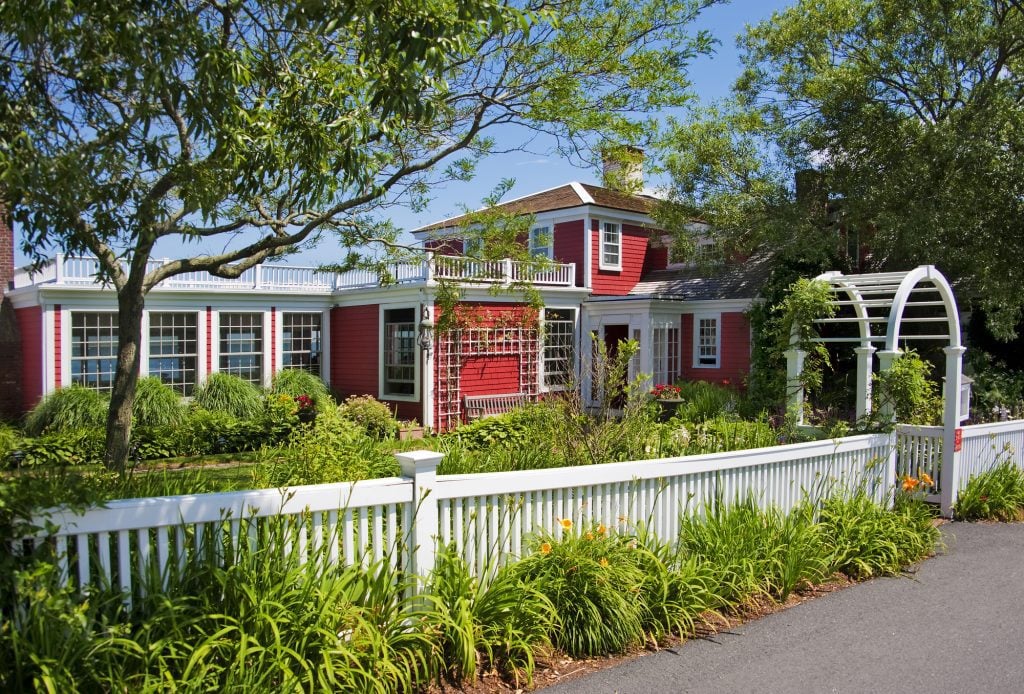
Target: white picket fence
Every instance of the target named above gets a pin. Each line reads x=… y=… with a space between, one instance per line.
x=983 y=446
x=136 y=544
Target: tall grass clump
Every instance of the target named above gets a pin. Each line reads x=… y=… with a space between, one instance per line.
x=996 y=494
x=488 y=623
x=68 y=409
x=296 y=382
x=867 y=539
x=156 y=404
x=229 y=394
x=703 y=400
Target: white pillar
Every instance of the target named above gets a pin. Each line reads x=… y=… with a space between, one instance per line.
x=794 y=383
x=949 y=482
x=885 y=360
x=865 y=360
x=421 y=467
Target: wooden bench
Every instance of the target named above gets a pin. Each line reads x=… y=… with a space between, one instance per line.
x=480 y=406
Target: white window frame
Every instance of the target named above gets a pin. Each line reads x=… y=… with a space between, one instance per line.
x=539 y=234
x=473 y=246
x=72 y=359
x=319 y=352
x=697 y=318
x=382 y=347
x=544 y=347
x=665 y=356
x=259 y=323
x=614 y=229
x=186 y=387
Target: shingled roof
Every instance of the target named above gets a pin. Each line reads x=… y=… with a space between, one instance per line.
x=560 y=198
x=743 y=280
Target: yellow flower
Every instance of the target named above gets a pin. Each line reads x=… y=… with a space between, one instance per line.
x=589 y=536
x=603 y=562
x=601 y=530
x=909 y=483
x=566 y=523
x=927 y=479
x=545 y=548
x=623 y=519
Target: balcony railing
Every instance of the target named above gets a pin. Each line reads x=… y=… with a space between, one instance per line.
x=81 y=271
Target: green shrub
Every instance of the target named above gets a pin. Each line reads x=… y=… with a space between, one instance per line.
x=68 y=409
x=907 y=390
x=703 y=401
x=296 y=382
x=10 y=440
x=231 y=395
x=494 y=623
x=156 y=404
x=371 y=414
x=79 y=447
x=513 y=429
x=996 y=494
x=717 y=435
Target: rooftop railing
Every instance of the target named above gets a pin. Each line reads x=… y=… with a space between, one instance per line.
x=82 y=271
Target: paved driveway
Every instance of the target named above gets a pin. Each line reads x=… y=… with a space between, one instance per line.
x=956 y=625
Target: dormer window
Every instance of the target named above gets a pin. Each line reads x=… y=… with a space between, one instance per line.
x=611 y=246
x=541 y=243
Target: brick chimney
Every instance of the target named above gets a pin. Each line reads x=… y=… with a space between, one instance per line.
x=623 y=168
x=6 y=250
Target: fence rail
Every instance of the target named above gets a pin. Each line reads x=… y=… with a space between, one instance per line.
x=82 y=271
x=489 y=518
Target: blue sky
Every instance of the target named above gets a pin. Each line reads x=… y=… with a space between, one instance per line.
x=536 y=170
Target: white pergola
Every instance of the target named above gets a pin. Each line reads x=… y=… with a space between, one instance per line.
x=889 y=310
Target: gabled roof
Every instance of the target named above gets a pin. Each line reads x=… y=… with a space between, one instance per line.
x=743 y=280
x=563 y=197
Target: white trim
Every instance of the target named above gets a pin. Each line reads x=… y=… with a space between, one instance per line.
x=576 y=187
x=548 y=232
x=427 y=357
x=697 y=317
x=144 y=345
x=588 y=250
x=601 y=264
x=585 y=197
x=381 y=395
x=268 y=332
x=577 y=351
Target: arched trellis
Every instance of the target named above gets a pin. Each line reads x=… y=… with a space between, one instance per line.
x=912 y=306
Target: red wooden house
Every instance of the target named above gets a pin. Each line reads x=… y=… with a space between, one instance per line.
x=609 y=277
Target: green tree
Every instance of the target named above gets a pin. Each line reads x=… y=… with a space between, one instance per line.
x=264 y=124
x=911 y=112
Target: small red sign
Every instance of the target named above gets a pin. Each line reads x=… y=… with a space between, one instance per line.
x=958 y=440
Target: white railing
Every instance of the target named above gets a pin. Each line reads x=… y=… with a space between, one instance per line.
x=65 y=270
x=919 y=452
x=488 y=517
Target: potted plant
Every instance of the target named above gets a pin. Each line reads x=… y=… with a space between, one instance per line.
x=668 y=397
x=409 y=429
x=305 y=408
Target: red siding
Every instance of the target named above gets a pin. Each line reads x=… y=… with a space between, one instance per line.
x=657 y=259
x=30 y=324
x=634 y=250
x=734 y=360
x=355 y=343
x=490 y=375
x=570 y=247
x=58 y=347
x=444 y=246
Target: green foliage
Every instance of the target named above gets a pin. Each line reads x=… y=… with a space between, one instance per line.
x=371 y=414
x=67 y=409
x=868 y=540
x=703 y=401
x=77 y=447
x=156 y=404
x=296 y=382
x=484 y=624
x=512 y=430
x=996 y=494
x=229 y=394
x=907 y=389
x=716 y=436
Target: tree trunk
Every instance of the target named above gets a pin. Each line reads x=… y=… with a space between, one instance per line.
x=130 y=303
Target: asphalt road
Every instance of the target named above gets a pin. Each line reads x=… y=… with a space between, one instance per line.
x=956 y=625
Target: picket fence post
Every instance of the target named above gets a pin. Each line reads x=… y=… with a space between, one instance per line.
x=421 y=467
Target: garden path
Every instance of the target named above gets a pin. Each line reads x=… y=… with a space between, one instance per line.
x=954 y=625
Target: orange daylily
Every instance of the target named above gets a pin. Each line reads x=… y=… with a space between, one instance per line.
x=566 y=523
x=589 y=536
x=603 y=562
x=927 y=479
x=910 y=483
x=545 y=548
x=601 y=530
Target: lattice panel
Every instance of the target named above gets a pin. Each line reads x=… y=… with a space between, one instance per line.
x=455 y=346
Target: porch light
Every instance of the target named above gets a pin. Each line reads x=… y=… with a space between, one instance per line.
x=426 y=338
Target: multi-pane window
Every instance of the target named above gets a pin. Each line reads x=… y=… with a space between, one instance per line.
x=706 y=343
x=241 y=345
x=400 y=351
x=300 y=341
x=94 y=349
x=559 y=352
x=665 y=346
x=541 y=242
x=173 y=349
x=611 y=246
x=473 y=246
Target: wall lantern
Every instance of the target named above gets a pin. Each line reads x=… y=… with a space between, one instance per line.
x=426 y=338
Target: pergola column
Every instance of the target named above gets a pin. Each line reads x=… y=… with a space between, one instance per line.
x=865 y=361
x=949 y=476
x=885 y=360
x=794 y=383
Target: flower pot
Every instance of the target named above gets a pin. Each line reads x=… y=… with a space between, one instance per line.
x=306 y=416
x=668 y=408
x=410 y=433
